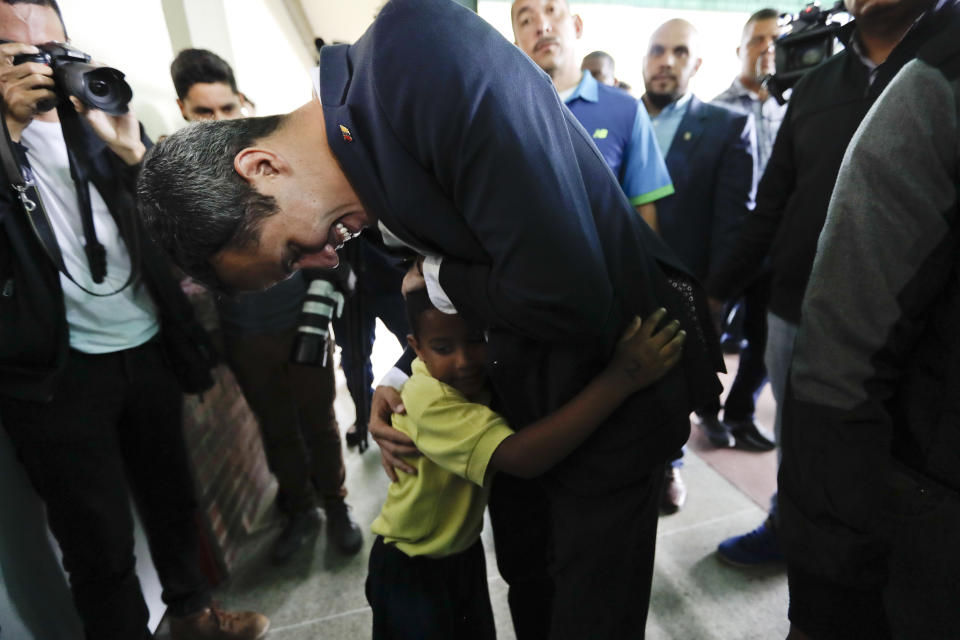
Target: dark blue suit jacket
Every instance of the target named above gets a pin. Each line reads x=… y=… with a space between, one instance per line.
x=711 y=166
x=468 y=152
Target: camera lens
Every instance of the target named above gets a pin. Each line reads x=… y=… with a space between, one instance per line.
x=99 y=88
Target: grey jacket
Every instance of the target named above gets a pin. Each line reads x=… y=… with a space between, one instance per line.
x=874 y=397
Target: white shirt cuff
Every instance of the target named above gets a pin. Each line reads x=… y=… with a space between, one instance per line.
x=393 y=378
x=431 y=273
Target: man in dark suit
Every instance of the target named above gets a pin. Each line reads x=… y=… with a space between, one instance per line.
x=708 y=154
x=477 y=166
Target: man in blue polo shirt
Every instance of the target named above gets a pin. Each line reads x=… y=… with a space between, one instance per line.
x=546 y=31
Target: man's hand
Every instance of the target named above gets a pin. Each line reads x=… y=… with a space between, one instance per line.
x=642 y=356
x=23 y=86
x=121 y=133
x=413 y=279
x=393 y=444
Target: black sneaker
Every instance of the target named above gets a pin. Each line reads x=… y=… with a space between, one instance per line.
x=300 y=528
x=342 y=530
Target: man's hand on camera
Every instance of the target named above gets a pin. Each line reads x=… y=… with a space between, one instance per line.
x=23 y=86
x=393 y=444
x=121 y=133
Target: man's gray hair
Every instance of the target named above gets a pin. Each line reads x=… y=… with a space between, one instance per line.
x=191 y=200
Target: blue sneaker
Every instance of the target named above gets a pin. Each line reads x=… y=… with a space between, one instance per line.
x=756 y=548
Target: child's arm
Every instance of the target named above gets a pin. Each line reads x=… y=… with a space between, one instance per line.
x=641 y=358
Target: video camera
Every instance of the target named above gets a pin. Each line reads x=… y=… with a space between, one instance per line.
x=811 y=39
x=97 y=87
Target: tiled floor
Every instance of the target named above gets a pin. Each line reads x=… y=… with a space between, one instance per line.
x=695 y=597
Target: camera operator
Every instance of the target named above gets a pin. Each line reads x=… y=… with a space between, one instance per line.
x=824 y=111
x=109 y=416
x=293 y=401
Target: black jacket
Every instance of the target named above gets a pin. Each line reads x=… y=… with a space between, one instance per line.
x=32 y=370
x=711 y=167
x=481 y=163
x=825 y=110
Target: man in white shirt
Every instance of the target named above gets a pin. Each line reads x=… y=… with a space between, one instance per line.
x=110 y=417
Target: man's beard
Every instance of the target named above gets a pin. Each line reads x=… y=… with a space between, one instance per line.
x=661 y=100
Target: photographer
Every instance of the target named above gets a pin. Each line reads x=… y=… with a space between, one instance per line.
x=825 y=110
x=105 y=412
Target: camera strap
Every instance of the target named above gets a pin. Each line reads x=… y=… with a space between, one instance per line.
x=72 y=134
x=32 y=205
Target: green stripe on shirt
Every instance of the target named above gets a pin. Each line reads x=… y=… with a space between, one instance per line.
x=656 y=194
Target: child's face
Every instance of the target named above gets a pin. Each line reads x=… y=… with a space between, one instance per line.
x=453 y=354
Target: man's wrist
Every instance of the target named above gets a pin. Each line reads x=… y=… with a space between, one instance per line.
x=394 y=378
x=431 y=275
x=130 y=155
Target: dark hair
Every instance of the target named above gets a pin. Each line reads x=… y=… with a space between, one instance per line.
x=192 y=201
x=762 y=14
x=417 y=303
x=601 y=55
x=199 y=65
x=43 y=3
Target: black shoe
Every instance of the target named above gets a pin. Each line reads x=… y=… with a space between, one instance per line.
x=750 y=437
x=717 y=432
x=353 y=436
x=342 y=530
x=300 y=528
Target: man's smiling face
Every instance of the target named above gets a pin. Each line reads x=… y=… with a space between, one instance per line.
x=317 y=211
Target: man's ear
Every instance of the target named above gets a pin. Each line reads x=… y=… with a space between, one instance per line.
x=183 y=109
x=255 y=164
x=696 y=67
x=578 y=25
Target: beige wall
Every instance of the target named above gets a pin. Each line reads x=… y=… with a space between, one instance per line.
x=340 y=20
x=260 y=39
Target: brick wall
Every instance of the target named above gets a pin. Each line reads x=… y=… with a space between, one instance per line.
x=234 y=486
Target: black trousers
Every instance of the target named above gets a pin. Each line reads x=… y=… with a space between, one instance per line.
x=579 y=565
x=741 y=402
x=114 y=428
x=417 y=598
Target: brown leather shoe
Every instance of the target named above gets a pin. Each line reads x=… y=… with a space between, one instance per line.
x=674 y=492
x=213 y=623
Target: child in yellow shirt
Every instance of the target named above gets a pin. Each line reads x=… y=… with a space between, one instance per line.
x=427 y=574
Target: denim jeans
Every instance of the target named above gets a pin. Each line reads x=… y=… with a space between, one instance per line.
x=781 y=336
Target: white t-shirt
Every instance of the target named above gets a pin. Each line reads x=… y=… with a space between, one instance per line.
x=97 y=324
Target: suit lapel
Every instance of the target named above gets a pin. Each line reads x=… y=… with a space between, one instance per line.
x=349 y=141
x=688 y=134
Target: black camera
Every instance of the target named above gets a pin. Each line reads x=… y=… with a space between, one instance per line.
x=811 y=39
x=100 y=88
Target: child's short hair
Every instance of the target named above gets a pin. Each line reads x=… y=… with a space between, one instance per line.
x=417 y=302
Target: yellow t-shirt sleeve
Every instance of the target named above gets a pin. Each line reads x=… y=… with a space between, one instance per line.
x=458 y=435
